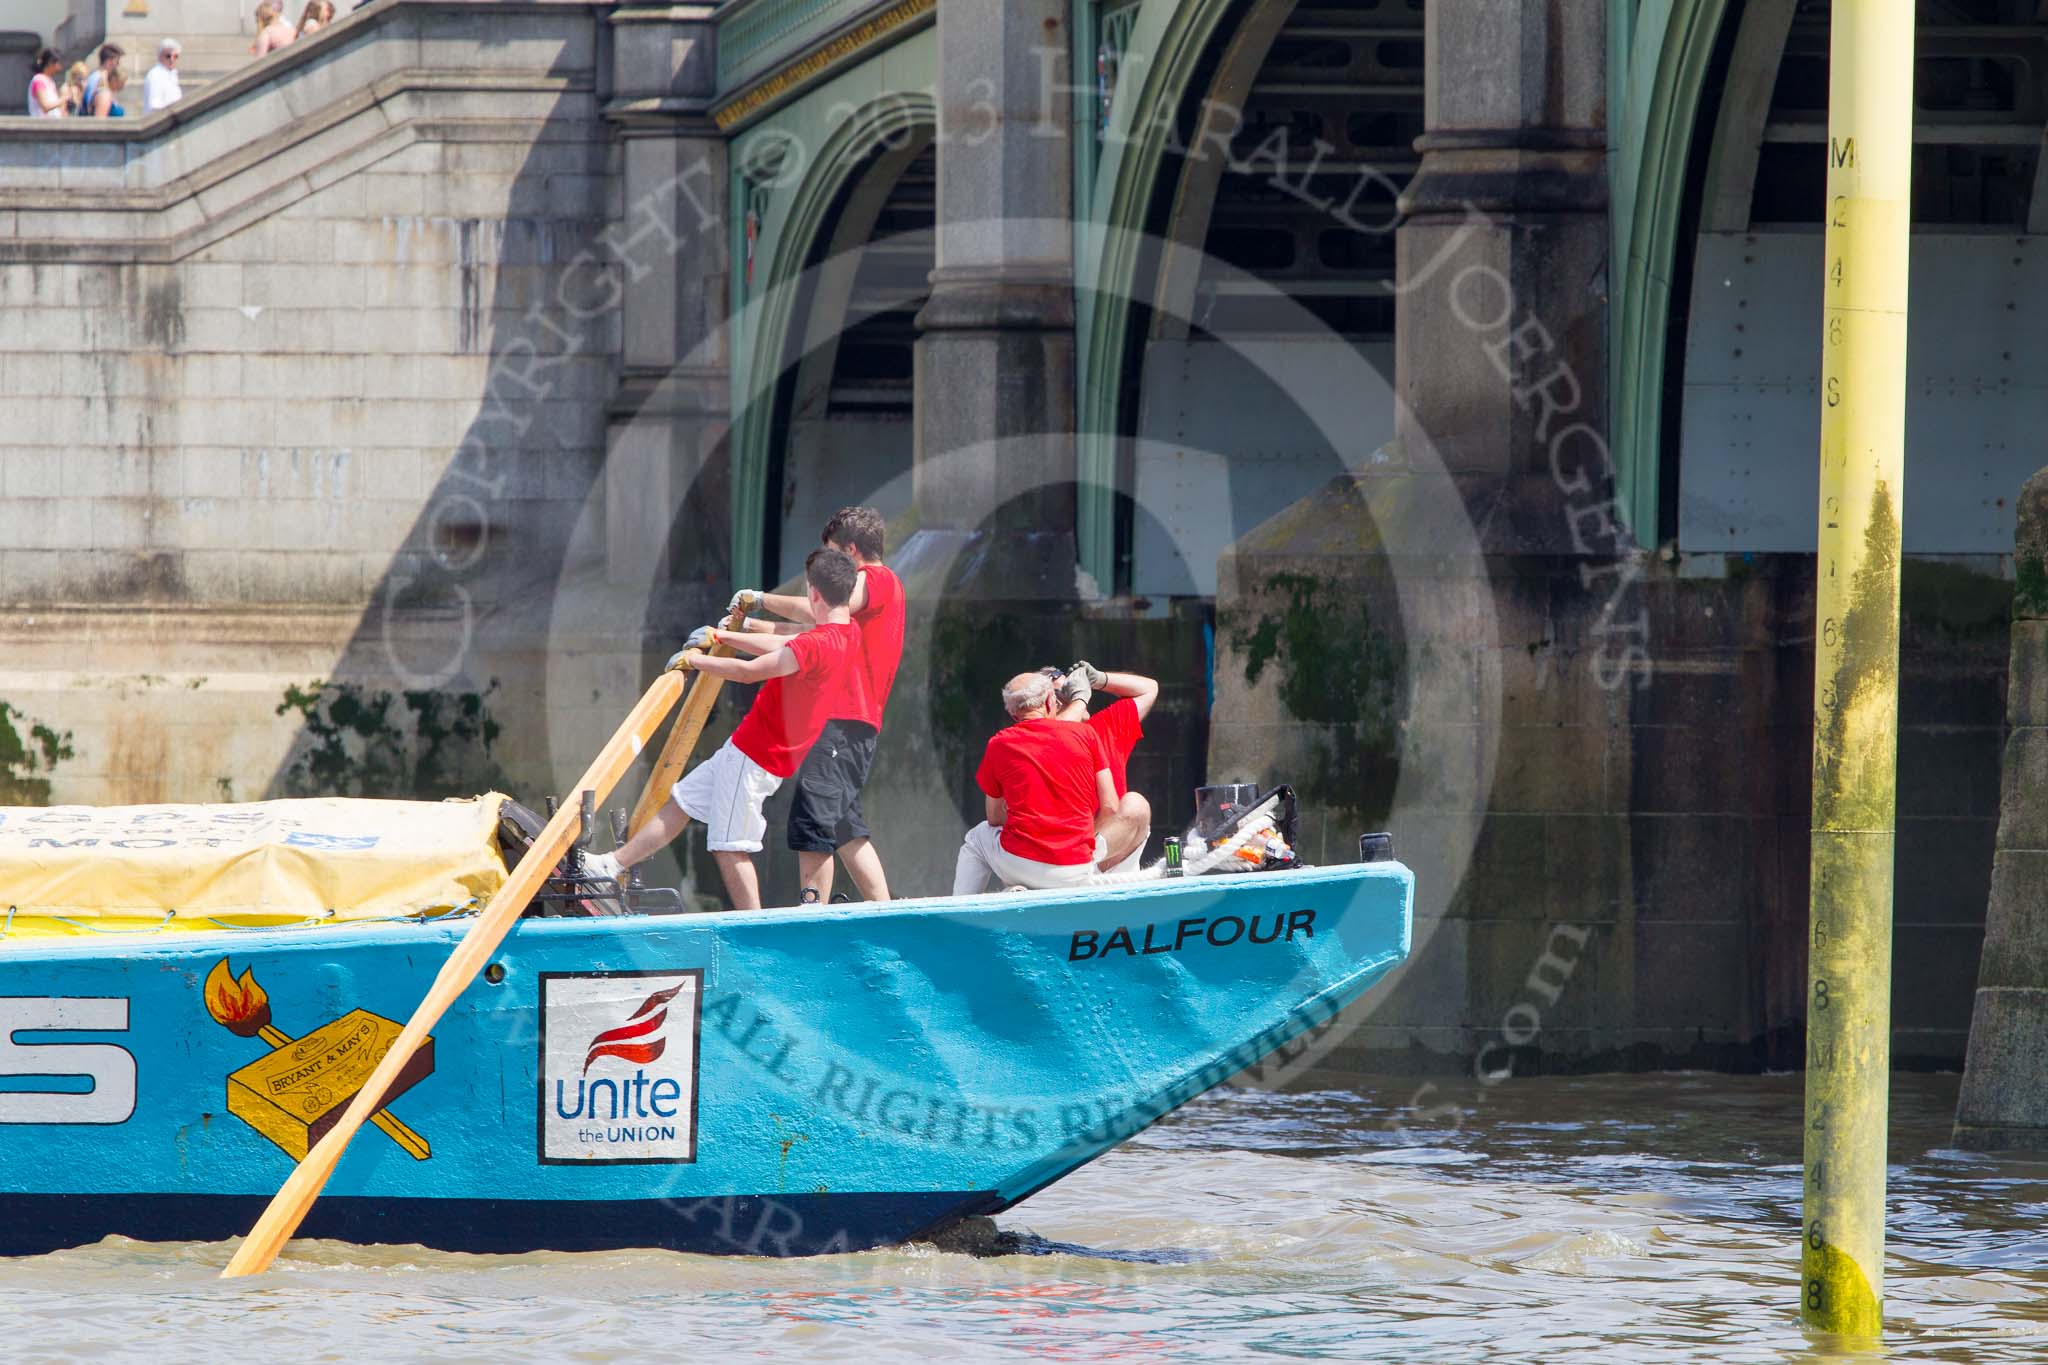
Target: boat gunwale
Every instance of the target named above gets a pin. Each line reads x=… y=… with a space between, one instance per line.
x=340 y=933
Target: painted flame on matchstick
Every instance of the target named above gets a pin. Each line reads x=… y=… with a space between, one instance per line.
x=242 y=1007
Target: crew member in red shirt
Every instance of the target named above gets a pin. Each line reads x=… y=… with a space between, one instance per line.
x=806 y=679
x=825 y=815
x=1052 y=807
x=1119 y=726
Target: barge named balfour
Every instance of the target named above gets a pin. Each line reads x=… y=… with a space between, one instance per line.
x=190 y=995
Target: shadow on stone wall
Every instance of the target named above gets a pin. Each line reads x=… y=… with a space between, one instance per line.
x=358 y=741
x=495 y=650
x=1659 y=815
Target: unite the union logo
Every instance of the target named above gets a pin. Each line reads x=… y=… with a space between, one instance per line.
x=618 y=1066
x=631 y=1041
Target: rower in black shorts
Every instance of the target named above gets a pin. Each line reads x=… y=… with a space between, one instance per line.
x=825 y=817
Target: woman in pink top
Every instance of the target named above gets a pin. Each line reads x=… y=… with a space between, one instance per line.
x=272 y=32
x=45 y=100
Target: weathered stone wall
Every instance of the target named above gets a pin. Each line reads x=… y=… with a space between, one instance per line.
x=2004 y=1103
x=296 y=395
x=1629 y=887
x=213 y=35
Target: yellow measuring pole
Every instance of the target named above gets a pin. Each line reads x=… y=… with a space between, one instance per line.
x=1856 y=663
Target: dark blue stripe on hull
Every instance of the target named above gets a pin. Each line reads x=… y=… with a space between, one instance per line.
x=723 y=1225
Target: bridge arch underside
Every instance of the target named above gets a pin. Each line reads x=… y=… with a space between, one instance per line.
x=841 y=427
x=1747 y=334
x=833 y=211
x=1265 y=217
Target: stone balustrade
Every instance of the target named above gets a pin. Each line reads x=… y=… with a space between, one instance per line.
x=251 y=347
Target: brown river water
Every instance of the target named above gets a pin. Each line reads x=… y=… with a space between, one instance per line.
x=1627 y=1219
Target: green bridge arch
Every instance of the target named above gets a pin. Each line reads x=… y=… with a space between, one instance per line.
x=1660 y=53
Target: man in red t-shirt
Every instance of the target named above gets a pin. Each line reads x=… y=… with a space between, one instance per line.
x=806 y=679
x=825 y=815
x=1051 y=805
x=1119 y=726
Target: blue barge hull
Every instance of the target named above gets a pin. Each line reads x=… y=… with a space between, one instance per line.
x=782 y=1083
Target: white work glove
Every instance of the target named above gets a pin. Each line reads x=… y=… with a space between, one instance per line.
x=604 y=865
x=700 y=640
x=1075 y=687
x=1097 y=679
x=743 y=601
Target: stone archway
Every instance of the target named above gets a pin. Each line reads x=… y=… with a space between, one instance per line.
x=1166 y=48
x=842 y=426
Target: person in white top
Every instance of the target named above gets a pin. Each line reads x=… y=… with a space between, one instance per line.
x=45 y=100
x=160 y=87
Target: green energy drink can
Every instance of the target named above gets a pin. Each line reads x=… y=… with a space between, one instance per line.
x=1173 y=868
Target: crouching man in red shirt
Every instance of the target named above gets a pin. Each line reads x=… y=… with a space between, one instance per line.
x=806 y=679
x=1052 y=806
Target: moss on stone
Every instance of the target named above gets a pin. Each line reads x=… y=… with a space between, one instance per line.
x=1335 y=671
x=2030 y=587
x=355 y=741
x=25 y=765
x=1958 y=602
x=973 y=653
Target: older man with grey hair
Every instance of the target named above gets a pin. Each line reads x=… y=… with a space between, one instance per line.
x=1048 y=794
x=160 y=88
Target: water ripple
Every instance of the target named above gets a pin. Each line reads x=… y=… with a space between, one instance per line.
x=1622 y=1219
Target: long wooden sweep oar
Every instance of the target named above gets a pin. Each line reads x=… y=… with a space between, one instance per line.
x=682 y=737
x=288 y=1207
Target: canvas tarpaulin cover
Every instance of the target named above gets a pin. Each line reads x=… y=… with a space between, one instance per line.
x=187 y=866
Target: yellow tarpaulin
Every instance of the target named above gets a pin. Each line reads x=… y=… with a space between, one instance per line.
x=273 y=861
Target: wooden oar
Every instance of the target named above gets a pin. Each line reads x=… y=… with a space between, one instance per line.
x=682 y=737
x=288 y=1207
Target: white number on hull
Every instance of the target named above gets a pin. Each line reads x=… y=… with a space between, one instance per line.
x=111 y=1069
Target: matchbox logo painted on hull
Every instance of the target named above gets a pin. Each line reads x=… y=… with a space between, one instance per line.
x=296 y=1091
x=618 y=1066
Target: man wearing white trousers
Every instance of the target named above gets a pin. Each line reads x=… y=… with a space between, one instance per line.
x=1051 y=803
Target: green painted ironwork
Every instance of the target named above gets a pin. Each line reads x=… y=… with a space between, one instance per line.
x=1163 y=48
x=1114 y=23
x=1103 y=30
x=1660 y=51
x=752 y=32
